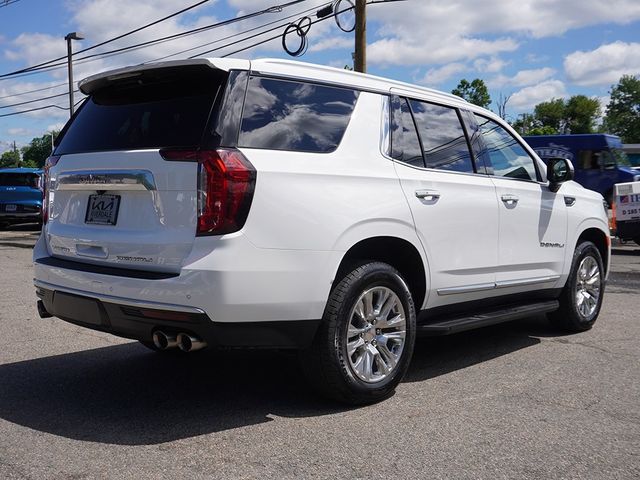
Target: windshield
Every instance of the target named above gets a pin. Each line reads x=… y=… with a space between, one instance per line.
x=19 y=180
x=621 y=157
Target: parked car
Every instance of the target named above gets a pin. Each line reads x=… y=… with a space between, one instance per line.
x=598 y=159
x=20 y=196
x=276 y=204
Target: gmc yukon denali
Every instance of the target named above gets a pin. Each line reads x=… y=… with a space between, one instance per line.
x=276 y=204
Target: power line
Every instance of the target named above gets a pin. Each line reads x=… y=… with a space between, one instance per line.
x=109 y=40
x=45 y=66
x=237 y=34
x=37 y=100
x=33 y=110
x=6 y=3
x=83 y=61
x=34 y=91
x=312 y=22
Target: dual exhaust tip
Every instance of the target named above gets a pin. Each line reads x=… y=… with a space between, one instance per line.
x=183 y=341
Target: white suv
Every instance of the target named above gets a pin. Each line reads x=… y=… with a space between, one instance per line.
x=278 y=204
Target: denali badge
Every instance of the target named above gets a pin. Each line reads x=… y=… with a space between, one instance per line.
x=551 y=245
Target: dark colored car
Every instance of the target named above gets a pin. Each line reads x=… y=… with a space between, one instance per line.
x=20 y=196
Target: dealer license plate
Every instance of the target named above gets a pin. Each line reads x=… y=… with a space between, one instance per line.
x=103 y=209
x=11 y=208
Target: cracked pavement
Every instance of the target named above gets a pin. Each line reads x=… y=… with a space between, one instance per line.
x=519 y=400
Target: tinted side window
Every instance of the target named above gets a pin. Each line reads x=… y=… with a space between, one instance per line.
x=405 y=145
x=443 y=141
x=508 y=157
x=287 y=115
x=483 y=163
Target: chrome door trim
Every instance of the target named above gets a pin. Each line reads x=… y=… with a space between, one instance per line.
x=482 y=287
x=526 y=281
x=141 y=180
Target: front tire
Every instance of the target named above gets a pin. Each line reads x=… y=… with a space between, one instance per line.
x=364 y=344
x=581 y=298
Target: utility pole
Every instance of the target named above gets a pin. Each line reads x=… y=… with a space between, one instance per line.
x=360 y=61
x=68 y=37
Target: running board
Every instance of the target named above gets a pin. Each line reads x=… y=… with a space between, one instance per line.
x=486 y=318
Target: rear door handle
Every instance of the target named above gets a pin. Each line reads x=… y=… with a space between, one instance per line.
x=428 y=195
x=510 y=200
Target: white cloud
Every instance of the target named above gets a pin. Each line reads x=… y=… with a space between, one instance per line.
x=436 y=76
x=523 y=78
x=432 y=31
x=19 y=132
x=396 y=51
x=55 y=127
x=331 y=43
x=528 y=97
x=604 y=65
x=489 y=65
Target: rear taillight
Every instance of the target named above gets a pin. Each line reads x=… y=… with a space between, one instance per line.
x=46 y=187
x=226 y=180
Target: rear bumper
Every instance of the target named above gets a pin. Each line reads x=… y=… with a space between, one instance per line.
x=227 y=278
x=138 y=320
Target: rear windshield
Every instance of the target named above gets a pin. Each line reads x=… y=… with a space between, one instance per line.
x=153 y=109
x=19 y=180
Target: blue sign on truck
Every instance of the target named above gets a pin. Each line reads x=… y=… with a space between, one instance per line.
x=598 y=159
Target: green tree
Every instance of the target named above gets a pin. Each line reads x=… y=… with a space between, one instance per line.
x=475 y=92
x=10 y=158
x=38 y=150
x=580 y=113
x=551 y=114
x=623 y=111
x=543 y=130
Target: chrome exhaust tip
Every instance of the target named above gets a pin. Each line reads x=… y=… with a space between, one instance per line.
x=187 y=343
x=163 y=341
x=42 y=311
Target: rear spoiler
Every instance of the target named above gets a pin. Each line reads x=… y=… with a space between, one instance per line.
x=94 y=82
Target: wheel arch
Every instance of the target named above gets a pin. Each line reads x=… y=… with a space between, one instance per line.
x=400 y=253
x=600 y=239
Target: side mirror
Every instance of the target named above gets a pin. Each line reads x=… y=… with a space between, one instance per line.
x=559 y=170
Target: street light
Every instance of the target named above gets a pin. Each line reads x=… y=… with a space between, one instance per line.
x=68 y=37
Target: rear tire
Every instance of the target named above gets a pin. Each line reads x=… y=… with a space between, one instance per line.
x=581 y=297
x=364 y=344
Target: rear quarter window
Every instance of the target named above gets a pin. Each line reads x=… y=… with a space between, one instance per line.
x=297 y=116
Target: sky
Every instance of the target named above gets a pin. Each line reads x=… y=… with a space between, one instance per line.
x=529 y=50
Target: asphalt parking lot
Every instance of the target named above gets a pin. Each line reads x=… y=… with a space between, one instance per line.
x=514 y=401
